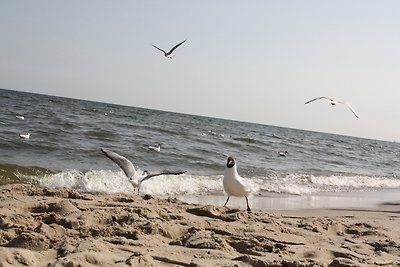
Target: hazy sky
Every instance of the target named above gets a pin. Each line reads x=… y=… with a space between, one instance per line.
x=255 y=61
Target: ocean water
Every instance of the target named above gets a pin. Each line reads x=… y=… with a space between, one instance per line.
x=66 y=136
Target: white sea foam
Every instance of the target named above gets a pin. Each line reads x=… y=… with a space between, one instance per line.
x=106 y=181
x=91 y=181
x=355 y=181
x=294 y=184
x=183 y=185
x=115 y=181
x=306 y=184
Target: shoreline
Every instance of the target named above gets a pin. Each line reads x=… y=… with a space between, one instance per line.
x=63 y=227
x=284 y=202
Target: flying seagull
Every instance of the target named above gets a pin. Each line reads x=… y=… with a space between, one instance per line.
x=234 y=185
x=167 y=54
x=134 y=177
x=334 y=102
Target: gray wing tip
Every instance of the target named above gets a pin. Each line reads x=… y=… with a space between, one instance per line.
x=107 y=153
x=172 y=172
x=314 y=99
x=165 y=172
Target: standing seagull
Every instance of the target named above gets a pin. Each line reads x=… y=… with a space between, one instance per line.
x=234 y=185
x=167 y=54
x=334 y=102
x=134 y=178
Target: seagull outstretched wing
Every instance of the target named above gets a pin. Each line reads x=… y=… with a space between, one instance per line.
x=318 y=98
x=165 y=172
x=175 y=47
x=124 y=163
x=350 y=107
x=159 y=49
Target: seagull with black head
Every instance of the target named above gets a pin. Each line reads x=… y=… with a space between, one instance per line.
x=234 y=185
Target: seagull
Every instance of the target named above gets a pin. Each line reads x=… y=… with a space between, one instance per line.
x=167 y=54
x=155 y=148
x=25 y=136
x=234 y=185
x=134 y=178
x=20 y=117
x=334 y=102
x=283 y=153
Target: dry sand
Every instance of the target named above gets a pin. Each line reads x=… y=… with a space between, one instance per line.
x=62 y=227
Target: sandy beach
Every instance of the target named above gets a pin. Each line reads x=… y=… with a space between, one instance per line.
x=62 y=227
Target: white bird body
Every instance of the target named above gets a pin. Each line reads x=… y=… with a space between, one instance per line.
x=333 y=102
x=134 y=183
x=283 y=153
x=167 y=54
x=25 y=136
x=134 y=177
x=20 y=117
x=234 y=185
x=155 y=148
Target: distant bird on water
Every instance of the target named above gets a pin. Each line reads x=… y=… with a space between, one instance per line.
x=283 y=153
x=155 y=148
x=334 y=102
x=134 y=178
x=167 y=54
x=234 y=185
x=25 y=136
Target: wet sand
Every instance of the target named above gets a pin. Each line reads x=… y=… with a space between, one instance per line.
x=282 y=202
x=62 y=227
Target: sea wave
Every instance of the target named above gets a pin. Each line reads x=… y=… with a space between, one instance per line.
x=354 y=182
x=108 y=181
x=249 y=140
x=11 y=173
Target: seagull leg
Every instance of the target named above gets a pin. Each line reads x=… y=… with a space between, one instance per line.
x=226 y=201
x=248 y=207
x=138 y=187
